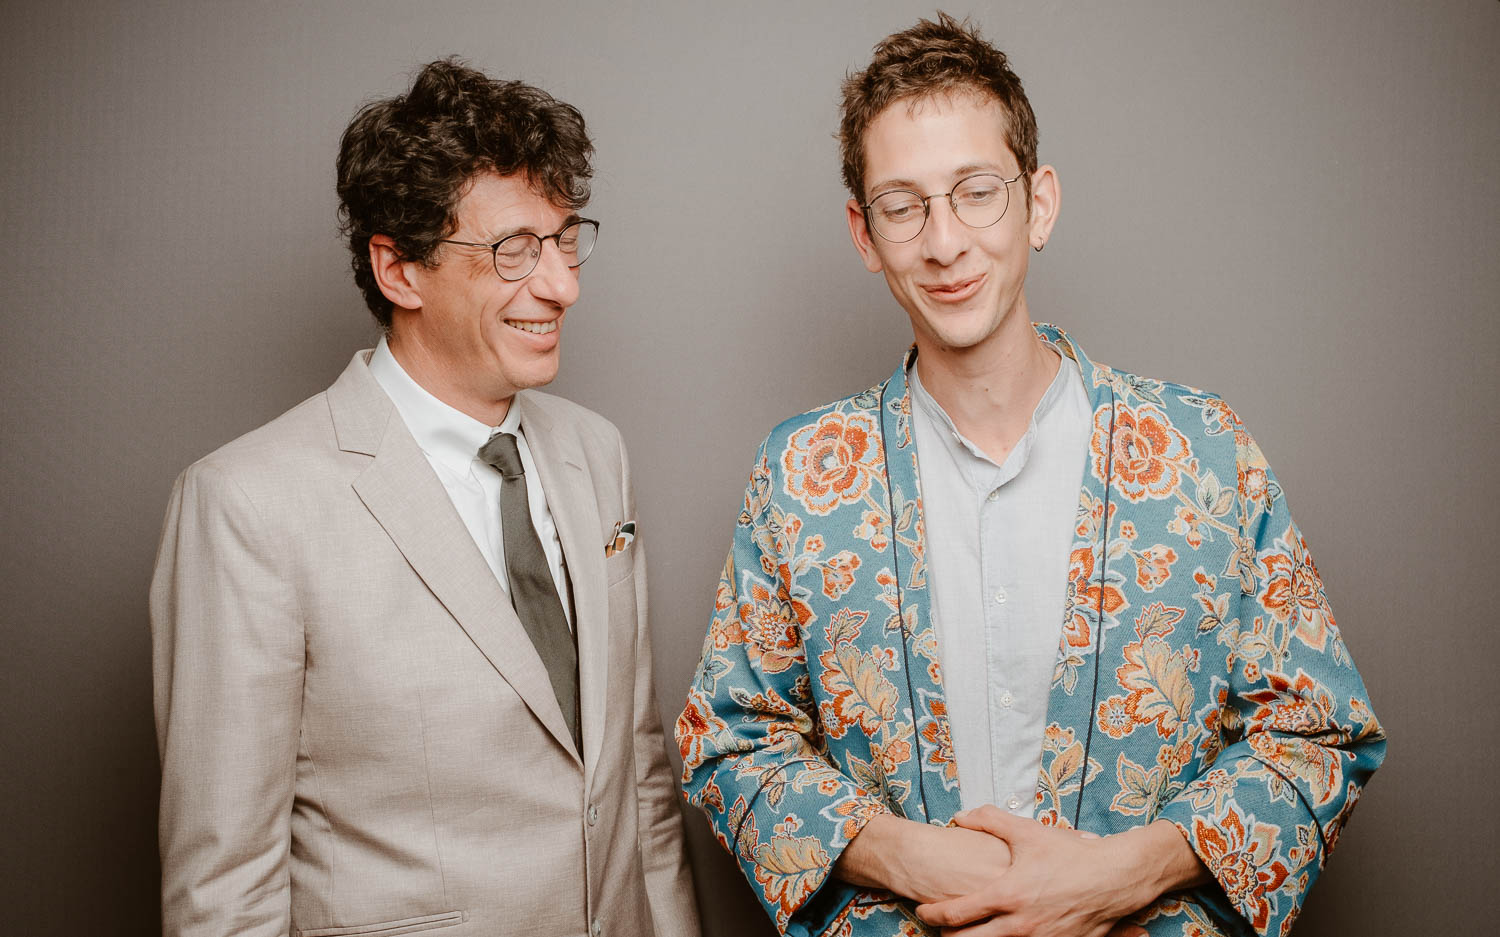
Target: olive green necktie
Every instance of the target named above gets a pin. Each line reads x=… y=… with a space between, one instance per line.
x=532 y=591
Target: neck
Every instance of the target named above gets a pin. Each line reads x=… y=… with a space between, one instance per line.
x=442 y=381
x=990 y=391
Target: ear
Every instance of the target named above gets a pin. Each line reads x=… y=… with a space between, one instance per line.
x=394 y=276
x=859 y=232
x=1046 y=201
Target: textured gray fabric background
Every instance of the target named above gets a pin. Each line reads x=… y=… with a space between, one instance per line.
x=1295 y=205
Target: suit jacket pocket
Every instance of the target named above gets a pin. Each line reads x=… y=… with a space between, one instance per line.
x=410 y=925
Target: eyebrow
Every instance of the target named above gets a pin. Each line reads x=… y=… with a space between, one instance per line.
x=968 y=169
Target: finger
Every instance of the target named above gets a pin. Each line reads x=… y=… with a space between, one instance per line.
x=965 y=909
x=989 y=819
x=1127 y=929
x=994 y=927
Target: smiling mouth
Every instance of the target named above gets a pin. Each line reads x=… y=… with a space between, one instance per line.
x=950 y=290
x=535 y=328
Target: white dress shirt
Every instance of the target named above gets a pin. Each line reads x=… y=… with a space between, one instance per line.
x=451 y=440
x=998 y=538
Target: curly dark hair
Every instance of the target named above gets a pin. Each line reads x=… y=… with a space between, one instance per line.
x=926 y=60
x=404 y=162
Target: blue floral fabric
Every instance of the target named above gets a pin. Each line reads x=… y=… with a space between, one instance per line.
x=1200 y=677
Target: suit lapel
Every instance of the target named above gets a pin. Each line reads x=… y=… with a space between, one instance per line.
x=406 y=498
x=559 y=457
x=938 y=774
x=1095 y=593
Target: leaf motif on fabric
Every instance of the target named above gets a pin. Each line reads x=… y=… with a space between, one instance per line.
x=858 y=691
x=908 y=511
x=1066 y=672
x=1212 y=497
x=1160 y=684
x=789 y=869
x=1157 y=620
x=1138 y=787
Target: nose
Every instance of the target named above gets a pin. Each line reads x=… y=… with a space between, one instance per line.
x=944 y=238
x=553 y=280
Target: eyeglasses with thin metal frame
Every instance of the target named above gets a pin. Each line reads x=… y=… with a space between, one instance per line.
x=891 y=214
x=517 y=255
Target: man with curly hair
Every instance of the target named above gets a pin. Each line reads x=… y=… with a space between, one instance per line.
x=403 y=674
x=1013 y=642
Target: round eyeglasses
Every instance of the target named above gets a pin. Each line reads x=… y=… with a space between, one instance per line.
x=517 y=255
x=978 y=201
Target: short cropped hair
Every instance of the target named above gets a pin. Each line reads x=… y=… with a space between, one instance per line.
x=404 y=162
x=925 y=61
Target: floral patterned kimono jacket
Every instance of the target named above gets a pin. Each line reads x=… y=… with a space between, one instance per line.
x=1200 y=677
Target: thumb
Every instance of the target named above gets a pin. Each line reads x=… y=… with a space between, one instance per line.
x=992 y=820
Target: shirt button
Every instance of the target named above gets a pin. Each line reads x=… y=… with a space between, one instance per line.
x=593 y=814
x=1006 y=699
x=1012 y=803
x=1000 y=597
x=994 y=495
x=597 y=928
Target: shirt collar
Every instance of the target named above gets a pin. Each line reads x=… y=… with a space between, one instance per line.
x=443 y=433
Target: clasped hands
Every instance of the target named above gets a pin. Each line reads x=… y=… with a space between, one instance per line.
x=996 y=875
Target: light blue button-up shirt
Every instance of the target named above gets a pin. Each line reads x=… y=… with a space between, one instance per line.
x=998 y=538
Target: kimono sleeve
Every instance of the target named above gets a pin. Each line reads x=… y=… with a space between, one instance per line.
x=1300 y=738
x=754 y=758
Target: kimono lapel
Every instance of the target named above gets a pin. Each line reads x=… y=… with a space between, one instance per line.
x=937 y=774
x=406 y=498
x=560 y=461
x=1095 y=593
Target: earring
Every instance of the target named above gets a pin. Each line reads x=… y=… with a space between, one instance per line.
x=1038 y=247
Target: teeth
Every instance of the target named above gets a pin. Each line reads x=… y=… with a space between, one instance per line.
x=535 y=328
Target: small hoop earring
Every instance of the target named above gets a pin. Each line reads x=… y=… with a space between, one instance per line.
x=1038 y=248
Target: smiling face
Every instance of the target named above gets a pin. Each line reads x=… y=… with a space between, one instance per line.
x=962 y=287
x=476 y=339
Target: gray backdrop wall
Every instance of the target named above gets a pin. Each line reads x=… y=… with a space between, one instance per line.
x=1295 y=205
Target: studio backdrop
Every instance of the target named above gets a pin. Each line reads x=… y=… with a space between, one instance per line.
x=1294 y=205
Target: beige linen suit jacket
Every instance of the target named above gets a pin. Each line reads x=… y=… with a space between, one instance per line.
x=356 y=734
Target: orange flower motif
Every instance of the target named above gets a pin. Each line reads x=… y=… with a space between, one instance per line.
x=892 y=756
x=874 y=526
x=695 y=727
x=1146 y=454
x=829 y=463
x=1114 y=720
x=838 y=573
x=1154 y=566
x=1187 y=526
x=771 y=624
x=1293 y=589
x=1244 y=863
x=1089 y=596
x=935 y=732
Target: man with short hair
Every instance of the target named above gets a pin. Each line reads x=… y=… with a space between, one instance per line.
x=1011 y=575
x=403 y=674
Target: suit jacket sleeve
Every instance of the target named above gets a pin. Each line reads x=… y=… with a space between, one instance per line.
x=227 y=657
x=669 y=886
x=1298 y=734
x=751 y=739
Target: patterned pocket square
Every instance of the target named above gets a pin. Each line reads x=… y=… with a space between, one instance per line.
x=621 y=538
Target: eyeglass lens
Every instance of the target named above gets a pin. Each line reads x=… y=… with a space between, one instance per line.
x=979 y=201
x=517 y=255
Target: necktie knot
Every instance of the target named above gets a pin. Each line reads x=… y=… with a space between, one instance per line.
x=502 y=453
